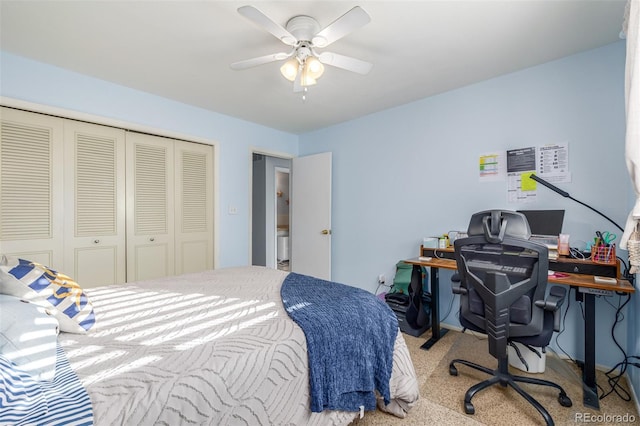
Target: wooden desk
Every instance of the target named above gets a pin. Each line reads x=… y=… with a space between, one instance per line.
x=585 y=291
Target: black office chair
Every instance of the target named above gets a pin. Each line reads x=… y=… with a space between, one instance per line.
x=502 y=285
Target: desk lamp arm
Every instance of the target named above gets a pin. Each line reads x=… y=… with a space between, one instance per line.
x=566 y=195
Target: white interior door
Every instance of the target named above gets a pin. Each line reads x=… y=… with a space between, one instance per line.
x=150 y=207
x=193 y=207
x=94 y=169
x=31 y=187
x=311 y=215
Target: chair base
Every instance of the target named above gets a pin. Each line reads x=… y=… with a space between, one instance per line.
x=502 y=376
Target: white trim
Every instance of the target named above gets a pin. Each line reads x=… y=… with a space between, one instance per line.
x=269 y=153
x=126 y=125
x=216 y=205
x=261 y=151
x=634 y=395
x=275 y=208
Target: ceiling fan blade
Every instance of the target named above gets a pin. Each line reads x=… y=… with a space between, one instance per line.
x=248 y=63
x=262 y=20
x=350 y=21
x=345 y=62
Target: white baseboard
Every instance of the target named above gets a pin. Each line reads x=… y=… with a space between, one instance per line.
x=634 y=396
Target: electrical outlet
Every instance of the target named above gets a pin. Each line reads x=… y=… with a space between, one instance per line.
x=233 y=210
x=381 y=279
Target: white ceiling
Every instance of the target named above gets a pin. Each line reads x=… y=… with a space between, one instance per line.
x=182 y=49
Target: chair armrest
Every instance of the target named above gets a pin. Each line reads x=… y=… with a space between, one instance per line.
x=552 y=303
x=456 y=287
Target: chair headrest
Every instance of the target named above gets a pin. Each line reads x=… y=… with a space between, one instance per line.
x=497 y=224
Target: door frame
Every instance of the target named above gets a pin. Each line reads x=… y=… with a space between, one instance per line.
x=261 y=151
x=279 y=169
x=135 y=127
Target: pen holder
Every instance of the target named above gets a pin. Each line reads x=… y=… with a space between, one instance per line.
x=605 y=254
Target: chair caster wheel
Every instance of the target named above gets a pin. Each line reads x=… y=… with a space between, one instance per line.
x=453 y=370
x=564 y=400
x=469 y=408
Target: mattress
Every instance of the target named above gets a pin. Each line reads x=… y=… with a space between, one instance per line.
x=215 y=348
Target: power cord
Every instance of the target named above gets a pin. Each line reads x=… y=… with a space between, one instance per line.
x=562 y=327
x=614 y=379
x=576 y=253
x=626 y=272
x=448 y=309
x=628 y=361
x=383 y=284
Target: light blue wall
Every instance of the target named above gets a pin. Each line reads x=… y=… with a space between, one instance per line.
x=26 y=80
x=412 y=171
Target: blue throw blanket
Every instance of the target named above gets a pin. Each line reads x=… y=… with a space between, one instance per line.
x=350 y=338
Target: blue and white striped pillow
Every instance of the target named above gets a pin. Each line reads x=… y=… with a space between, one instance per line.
x=22 y=398
x=62 y=401
x=50 y=289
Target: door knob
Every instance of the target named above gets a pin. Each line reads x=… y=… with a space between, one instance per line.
x=152 y=239
x=326 y=231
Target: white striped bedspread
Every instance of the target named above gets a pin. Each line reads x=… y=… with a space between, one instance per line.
x=210 y=348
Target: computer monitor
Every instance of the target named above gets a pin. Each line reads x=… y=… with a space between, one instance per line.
x=544 y=222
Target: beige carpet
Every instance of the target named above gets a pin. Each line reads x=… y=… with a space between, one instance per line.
x=442 y=395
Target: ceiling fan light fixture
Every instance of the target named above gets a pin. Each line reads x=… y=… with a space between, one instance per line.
x=307 y=81
x=304 y=66
x=289 y=69
x=313 y=67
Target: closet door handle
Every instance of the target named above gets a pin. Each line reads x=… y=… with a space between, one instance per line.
x=152 y=239
x=96 y=241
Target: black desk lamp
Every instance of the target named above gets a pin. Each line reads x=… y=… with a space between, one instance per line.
x=566 y=194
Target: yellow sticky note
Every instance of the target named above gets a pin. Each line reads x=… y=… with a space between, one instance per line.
x=526 y=183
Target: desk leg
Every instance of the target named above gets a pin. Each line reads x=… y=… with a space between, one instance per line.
x=436 y=332
x=590 y=391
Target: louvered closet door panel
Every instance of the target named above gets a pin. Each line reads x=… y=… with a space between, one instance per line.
x=94 y=204
x=150 y=207
x=31 y=186
x=194 y=207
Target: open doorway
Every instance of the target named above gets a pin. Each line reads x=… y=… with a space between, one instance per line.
x=270 y=218
x=283 y=192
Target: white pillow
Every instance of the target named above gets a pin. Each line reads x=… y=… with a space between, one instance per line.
x=45 y=287
x=28 y=337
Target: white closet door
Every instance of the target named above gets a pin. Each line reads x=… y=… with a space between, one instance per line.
x=150 y=207
x=193 y=207
x=31 y=187
x=94 y=204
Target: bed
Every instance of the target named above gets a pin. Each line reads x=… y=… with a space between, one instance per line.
x=216 y=347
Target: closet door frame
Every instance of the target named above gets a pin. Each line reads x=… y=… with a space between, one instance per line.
x=63 y=113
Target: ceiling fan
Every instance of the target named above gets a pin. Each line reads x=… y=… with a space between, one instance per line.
x=304 y=64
